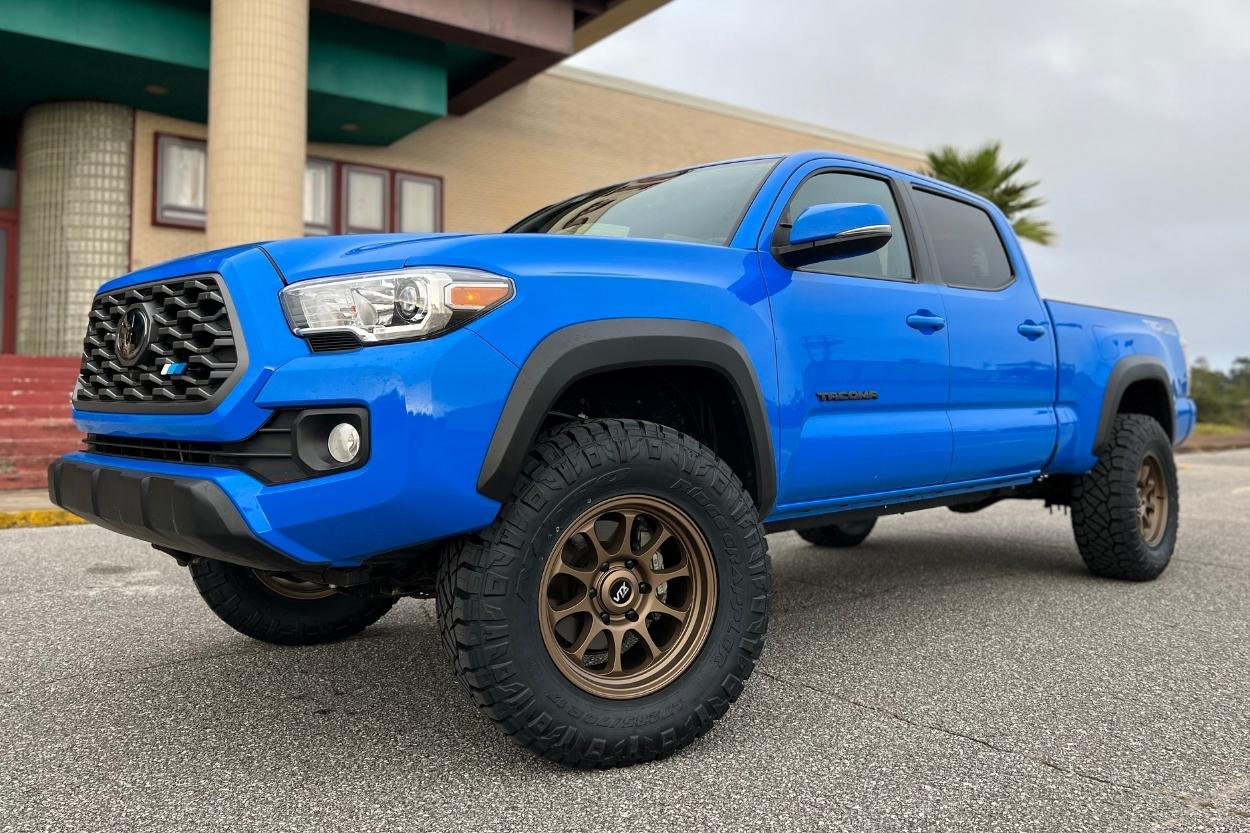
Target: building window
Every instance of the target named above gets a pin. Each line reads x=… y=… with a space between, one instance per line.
x=318 y=197
x=181 y=166
x=339 y=198
x=419 y=203
x=365 y=193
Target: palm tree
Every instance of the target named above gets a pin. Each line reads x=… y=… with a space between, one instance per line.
x=981 y=172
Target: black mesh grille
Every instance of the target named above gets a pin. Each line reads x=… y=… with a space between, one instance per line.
x=267 y=454
x=189 y=324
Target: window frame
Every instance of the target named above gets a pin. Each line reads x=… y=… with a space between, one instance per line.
x=346 y=169
x=159 y=138
x=397 y=177
x=932 y=246
x=919 y=270
x=334 y=198
x=338 y=178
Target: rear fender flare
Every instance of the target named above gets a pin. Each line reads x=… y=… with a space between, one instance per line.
x=1128 y=370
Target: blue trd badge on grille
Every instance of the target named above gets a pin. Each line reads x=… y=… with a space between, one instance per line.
x=173 y=368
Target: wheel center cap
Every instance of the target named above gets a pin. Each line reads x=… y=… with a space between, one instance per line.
x=618 y=591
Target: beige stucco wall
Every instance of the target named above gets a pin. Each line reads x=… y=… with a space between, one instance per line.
x=149 y=243
x=552 y=137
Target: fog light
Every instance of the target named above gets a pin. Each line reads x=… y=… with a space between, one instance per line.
x=344 y=442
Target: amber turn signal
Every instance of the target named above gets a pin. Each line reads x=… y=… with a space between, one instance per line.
x=460 y=296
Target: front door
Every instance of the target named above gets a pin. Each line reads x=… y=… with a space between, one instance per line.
x=862 y=357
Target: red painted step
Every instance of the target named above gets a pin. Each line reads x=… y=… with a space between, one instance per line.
x=38 y=429
x=51 y=395
x=29 y=463
x=35 y=425
x=10 y=410
x=16 y=448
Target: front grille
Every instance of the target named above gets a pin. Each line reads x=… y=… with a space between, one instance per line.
x=268 y=454
x=190 y=330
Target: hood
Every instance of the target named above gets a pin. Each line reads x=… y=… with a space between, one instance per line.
x=305 y=258
x=513 y=255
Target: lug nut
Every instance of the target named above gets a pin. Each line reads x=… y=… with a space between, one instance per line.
x=643 y=587
x=590 y=593
x=607 y=618
x=630 y=563
x=605 y=568
x=631 y=615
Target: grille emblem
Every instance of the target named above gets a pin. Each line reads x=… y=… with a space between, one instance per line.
x=173 y=368
x=134 y=332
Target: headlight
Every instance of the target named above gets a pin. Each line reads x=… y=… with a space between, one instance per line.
x=389 y=306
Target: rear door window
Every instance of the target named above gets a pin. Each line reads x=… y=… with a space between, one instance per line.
x=969 y=252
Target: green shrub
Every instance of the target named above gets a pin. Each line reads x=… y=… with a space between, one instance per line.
x=1223 y=396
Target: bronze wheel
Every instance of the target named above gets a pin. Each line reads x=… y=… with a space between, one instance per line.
x=595 y=621
x=293 y=588
x=628 y=596
x=1152 y=500
x=1125 y=510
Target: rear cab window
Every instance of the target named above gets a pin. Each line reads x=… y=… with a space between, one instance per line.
x=968 y=249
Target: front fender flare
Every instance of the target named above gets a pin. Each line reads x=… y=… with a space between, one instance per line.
x=579 y=350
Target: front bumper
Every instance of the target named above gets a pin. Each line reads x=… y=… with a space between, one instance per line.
x=182 y=514
x=432 y=407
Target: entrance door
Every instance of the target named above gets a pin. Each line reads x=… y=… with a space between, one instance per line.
x=8 y=284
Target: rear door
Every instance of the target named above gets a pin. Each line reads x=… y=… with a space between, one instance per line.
x=861 y=350
x=1002 y=351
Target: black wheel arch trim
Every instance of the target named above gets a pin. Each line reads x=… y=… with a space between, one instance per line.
x=580 y=350
x=1128 y=370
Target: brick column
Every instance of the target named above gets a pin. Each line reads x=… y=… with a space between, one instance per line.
x=257 y=120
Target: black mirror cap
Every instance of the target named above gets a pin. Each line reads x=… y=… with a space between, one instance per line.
x=833 y=248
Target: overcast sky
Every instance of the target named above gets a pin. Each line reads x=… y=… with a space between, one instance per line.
x=1134 y=114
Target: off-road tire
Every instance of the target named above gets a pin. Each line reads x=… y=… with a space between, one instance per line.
x=849 y=534
x=1105 y=504
x=244 y=603
x=488 y=602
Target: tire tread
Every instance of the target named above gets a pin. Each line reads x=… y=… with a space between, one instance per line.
x=476 y=635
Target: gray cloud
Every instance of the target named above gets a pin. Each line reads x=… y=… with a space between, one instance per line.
x=1134 y=114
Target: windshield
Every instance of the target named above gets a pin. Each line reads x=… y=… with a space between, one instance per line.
x=697 y=205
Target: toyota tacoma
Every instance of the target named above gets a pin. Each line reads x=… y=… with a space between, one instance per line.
x=575 y=435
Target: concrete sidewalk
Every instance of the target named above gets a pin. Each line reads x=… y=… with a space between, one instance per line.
x=31 y=507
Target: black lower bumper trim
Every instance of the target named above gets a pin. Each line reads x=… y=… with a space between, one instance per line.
x=184 y=514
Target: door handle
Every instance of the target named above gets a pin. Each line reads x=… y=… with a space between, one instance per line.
x=925 y=321
x=1031 y=330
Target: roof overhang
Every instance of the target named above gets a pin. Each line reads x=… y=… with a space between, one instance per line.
x=519 y=38
x=377 y=69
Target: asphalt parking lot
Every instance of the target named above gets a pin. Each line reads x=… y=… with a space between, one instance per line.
x=953 y=673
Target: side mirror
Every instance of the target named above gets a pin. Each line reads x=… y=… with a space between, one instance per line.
x=834 y=230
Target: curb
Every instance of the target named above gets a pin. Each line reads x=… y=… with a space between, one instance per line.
x=28 y=518
x=1200 y=448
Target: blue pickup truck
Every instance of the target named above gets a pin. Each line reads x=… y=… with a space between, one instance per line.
x=575 y=435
